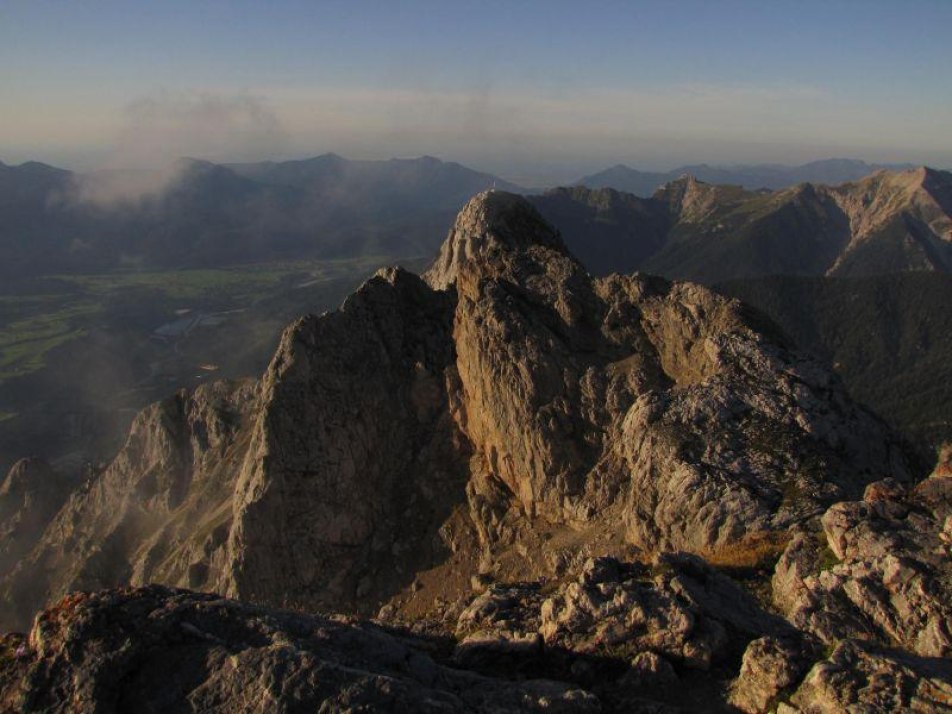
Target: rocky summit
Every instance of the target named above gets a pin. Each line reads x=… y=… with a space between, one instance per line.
x=634 y=487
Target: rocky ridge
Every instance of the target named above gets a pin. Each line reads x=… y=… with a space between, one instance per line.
x=30 y=496
x=505 y=419
x=887 y=222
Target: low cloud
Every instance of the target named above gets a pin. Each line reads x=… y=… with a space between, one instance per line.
x=165 y=126
x=159 y=129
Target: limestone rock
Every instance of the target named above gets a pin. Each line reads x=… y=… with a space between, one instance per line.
x=509 y=415
x=155 y=649
x=160 y=511
x=804 y=556
x=649 y=669
x=858 y=677
x=30 y=496
x=512 y=607
x=599 y=613
x=680 y=608
x=582 y=396
x=893 y=580
x=355 y=461
x=770 y=668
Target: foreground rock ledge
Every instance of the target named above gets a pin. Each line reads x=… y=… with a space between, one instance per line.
x=621 y=637
x=161 y=649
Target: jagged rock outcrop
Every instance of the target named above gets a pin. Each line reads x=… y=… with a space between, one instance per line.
x=679 y=608
x=888 y=337
x=506 y=414
x=870 y=582
x=505 y=421
x=887 y=576
x=586 y=395
x=642 y=637
x=858 y=677
x=159 y=512
x=193 y=652
x=683 y=611
x=30 y=496
x=355 y=461
x=854 y=675
x=156 y=648
x=770 y=668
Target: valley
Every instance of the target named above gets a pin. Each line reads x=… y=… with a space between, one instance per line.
x=81 y=354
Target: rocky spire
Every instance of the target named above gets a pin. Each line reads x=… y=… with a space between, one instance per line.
x=492 y=221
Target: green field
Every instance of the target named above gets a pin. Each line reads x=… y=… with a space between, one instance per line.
x=39 y=320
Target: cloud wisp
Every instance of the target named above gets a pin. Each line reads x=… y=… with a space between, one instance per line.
x=159 y=129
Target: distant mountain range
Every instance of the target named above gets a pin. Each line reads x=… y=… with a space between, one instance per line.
x=888 y=222
x=772 y=176
x=198 y=214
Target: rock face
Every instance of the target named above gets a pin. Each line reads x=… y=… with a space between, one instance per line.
x=507 y=413
x=679 y=610
x=159 y=512
x=857 y=677
x=889 y=338
x=770 y=667
x=685 y=611
x=890 y=577
x=355 y=459
x=30 y=496
x=194 y=652
x=869 y=581
x=587 y=397
x=620 y=637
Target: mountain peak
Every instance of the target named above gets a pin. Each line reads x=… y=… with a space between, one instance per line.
x=931 y=175
x=683 y=192
x=491 y=221
x=36 y=168
x=687 y=179
x=683 y=182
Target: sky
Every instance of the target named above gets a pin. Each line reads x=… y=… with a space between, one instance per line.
x=519 y=88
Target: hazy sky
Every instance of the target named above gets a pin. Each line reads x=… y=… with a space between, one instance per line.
x=521 y=88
